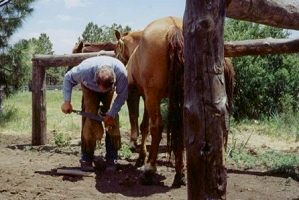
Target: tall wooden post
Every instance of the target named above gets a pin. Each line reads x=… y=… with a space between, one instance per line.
x=205 y=109
x=39 y=119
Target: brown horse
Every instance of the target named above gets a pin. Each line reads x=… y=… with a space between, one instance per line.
x=125 y=47
x=85 y=47
x=156 y=60
x=152 y=75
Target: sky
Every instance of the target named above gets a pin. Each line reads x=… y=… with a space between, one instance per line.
x=64 y=21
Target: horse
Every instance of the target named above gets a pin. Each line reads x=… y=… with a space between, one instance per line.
x=126 y=45
x=155 y=70
x=157 y=59
x=86 y=47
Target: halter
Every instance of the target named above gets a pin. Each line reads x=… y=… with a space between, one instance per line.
x=121 y=50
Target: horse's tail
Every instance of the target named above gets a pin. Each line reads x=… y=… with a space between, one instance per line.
x=175 y=90
x=229 y=76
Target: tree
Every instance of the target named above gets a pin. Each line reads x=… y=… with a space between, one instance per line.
x=13 y=59
x=12 y=14
x=43 y=45
x=264 y=84
x=93 y=33
x=15 y=66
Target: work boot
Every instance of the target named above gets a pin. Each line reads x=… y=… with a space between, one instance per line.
x=86 y=166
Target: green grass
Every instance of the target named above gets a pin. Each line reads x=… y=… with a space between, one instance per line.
x=17 y=115
x=61 y=128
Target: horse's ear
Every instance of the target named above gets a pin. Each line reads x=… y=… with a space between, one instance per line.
x=126 y=33
x=80 y=46
x=117 y=34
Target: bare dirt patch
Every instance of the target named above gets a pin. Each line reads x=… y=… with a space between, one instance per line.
x=30 y=172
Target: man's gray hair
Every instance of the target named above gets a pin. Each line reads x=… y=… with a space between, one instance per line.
x=105 y=76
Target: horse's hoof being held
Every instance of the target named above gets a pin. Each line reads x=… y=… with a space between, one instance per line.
x=133 y=146
x=179 y=180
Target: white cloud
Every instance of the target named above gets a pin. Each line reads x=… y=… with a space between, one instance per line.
x=73 y=3
x=65 y=18
x=63 y=40
x=68 y=18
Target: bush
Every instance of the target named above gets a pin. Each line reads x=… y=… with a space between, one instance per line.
x=263 y=84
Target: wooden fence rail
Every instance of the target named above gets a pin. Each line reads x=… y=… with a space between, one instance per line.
x=38 y=86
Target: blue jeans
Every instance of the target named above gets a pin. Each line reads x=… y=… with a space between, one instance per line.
x=111 y=153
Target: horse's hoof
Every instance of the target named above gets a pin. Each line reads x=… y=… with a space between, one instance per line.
x=179 y=180
x=146 y=178
x=139 y=162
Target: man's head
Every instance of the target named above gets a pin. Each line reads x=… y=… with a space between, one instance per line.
x=105 y=78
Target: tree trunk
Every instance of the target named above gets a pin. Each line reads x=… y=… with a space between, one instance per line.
x=277 y=13
x=205 y=110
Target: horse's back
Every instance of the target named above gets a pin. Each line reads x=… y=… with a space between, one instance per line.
x=155 y=34
x=153 y=49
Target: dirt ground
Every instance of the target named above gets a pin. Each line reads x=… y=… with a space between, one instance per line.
x=30 y=172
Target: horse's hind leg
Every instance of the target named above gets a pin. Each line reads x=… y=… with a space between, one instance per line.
x=180 y=169
x=133 y=107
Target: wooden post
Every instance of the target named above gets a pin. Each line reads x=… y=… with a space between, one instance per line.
x=205 y=106
x=39 y=119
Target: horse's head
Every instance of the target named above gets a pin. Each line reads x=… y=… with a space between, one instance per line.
x=95 y=47
x=77 y=49
x=121 y=52
x=126 y=44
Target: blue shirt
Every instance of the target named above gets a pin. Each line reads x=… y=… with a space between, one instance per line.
x=85 y=73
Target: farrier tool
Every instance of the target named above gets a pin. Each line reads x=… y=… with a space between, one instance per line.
x=99 y=118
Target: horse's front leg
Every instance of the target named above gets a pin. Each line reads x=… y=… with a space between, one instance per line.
x=133 y=108
x=144 y=128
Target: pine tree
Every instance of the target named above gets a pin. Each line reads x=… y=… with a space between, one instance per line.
x=13 y=58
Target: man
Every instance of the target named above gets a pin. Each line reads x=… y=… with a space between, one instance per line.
x=99 y=77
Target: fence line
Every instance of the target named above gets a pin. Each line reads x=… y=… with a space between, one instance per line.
x=51 y=87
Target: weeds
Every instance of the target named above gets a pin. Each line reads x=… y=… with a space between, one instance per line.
x=274 y=161
x=9 y=113
x=125 y=151
x=61 y=140
x=281 y=163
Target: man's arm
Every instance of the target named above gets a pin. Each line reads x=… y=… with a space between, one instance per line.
x=121 y=92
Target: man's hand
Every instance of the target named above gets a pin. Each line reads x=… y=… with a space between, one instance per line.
x=66 y=107
x=109 y=121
